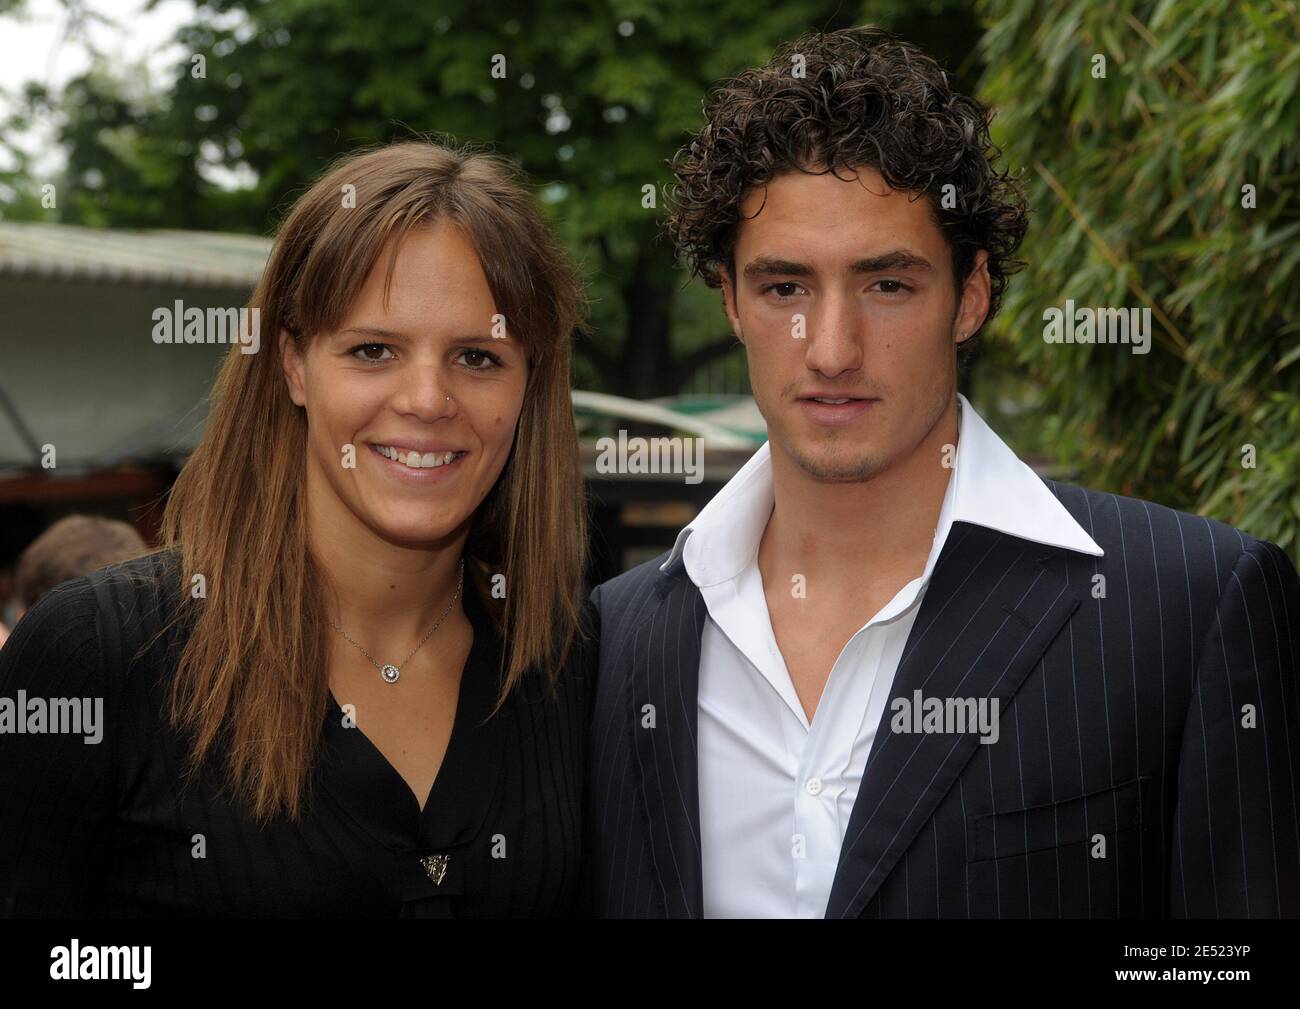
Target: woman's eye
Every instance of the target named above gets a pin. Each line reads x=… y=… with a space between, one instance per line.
x=366 y=352
x=492 y=361
x=780 y=290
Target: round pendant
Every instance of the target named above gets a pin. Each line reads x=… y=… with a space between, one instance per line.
x=389 y=673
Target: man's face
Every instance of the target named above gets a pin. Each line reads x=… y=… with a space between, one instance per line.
x=844 y=290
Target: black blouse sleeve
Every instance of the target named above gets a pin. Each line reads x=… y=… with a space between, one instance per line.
x=56 y=787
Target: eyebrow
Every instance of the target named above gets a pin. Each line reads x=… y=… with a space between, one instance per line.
x=894 y=259
x=383 y=334
x=388 y=334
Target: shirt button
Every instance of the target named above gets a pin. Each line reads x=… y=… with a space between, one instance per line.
x=813 y=786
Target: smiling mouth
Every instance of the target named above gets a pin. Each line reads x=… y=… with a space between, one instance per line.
x=418 y=460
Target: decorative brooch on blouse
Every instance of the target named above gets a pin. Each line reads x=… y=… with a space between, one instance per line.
x=435 y=867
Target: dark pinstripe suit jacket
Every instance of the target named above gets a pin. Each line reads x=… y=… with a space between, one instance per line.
x=1163 y=715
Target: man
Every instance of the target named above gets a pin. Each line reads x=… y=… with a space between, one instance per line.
x=888 y=671
x=73 y=546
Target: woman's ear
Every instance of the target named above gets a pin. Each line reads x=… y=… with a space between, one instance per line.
x=291 y=363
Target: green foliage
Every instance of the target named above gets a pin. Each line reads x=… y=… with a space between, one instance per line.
x=1136 y=182
x=596 y=98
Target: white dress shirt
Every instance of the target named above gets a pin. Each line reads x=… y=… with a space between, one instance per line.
x=776 y=792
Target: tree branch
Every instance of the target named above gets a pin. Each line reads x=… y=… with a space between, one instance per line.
x=701 y=356
x=604 y=360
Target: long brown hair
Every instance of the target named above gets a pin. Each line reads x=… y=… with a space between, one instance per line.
x=250 y=681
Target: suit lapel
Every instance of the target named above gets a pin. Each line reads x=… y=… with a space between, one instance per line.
x=665 y=688
x=989 y=613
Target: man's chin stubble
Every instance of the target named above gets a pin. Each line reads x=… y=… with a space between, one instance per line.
x=827 y=468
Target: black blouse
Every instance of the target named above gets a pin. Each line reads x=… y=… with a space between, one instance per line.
x=104 y=828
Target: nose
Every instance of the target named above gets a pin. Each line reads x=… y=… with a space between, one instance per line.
x=424 y=393
x=835 y=335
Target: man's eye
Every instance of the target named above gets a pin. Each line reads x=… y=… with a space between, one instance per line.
x=491 y=360
x=366 y=352
x=893 y=286
x=783 y=290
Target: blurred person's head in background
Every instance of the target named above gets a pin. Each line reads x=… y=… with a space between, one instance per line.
x=73 y=546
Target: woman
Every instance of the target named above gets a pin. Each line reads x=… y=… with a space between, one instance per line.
x=348 y=684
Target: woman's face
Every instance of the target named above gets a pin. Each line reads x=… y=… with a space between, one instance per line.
x=380 y=426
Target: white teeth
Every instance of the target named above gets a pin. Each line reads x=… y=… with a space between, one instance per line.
x=414 y=460
x=835 y=401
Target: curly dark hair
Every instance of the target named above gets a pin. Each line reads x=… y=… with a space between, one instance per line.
x=866 y=99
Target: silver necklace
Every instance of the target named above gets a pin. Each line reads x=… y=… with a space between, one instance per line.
x=390 y=672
